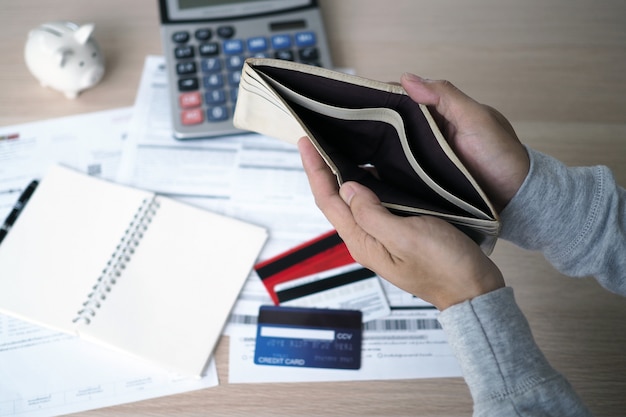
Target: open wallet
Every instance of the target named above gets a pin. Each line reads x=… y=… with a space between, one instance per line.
x=370 y=132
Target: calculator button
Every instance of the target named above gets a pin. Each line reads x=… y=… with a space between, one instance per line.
x=183 y=68
x=191 y=116
x=233 y=46
x=233 y=95
x=234 y=62
x=217 y=113
x=309 y=54
x=209 y=49
x=281 y=41
x=225 y=32
x=234 y=78
x=211 y=65
x=286 y=54
x=184 y=52
x=304 y=39
x=258 y=44
x=188 y=84
x=180 y=37
x=213 y=81
x=203 y=34
x=215 y=97
x=190 y=100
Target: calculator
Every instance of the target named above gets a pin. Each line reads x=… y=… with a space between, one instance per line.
x=205 y=43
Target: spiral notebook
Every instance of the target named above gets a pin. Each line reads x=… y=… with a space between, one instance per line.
x=371 y=132
x=126 y=268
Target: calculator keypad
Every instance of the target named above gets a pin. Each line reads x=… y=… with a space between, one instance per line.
x=209 y=62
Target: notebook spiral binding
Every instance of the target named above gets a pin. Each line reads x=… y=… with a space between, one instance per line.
x=118 y=260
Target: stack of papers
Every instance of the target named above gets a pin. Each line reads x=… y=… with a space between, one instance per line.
x=249 y=177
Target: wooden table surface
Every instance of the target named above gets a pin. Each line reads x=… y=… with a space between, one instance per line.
x=556 y=69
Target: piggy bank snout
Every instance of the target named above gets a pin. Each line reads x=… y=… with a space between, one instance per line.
x=91 y=76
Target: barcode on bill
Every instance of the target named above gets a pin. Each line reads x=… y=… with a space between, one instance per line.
x=242 y=319
x=374 y=325
x=402 y=325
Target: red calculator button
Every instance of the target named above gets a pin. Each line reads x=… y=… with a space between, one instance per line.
x=190 y=100
x=191 y=116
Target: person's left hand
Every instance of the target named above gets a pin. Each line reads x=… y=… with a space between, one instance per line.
x=423 y=255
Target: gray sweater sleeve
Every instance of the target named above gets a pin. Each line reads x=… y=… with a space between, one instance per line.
x=504 y=369
x=575 y=216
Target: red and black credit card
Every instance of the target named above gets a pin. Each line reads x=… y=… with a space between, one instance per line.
x=325 y=252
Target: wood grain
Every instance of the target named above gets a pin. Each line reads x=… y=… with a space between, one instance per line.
x=556 y=69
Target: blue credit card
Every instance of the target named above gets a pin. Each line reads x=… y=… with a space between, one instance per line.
x=309 y=337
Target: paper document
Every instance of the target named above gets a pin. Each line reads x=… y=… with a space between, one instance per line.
x=91 y=143
x=407 y=344
x=46 y=373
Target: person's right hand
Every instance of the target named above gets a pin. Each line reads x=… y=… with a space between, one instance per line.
x=481 y=137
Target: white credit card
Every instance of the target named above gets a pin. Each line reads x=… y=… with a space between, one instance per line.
x=350 y=287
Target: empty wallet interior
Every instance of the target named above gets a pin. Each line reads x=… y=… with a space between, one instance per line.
x=370 y=151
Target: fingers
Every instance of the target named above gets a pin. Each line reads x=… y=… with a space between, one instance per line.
x=354 y=210
x=326 y=190
x=352 y=201
x=481 y=136
x=377 y=239
x=455 y=106
x=442 y=95
x=419 y=89
x=371 y=216
x=323 y=183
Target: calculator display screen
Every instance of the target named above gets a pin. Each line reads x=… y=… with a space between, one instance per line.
x=188 y=4
x=223 y=9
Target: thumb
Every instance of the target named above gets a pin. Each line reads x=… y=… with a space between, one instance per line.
x=419 y=89
x=444 y=96
x=364 y=196
x=369 y=213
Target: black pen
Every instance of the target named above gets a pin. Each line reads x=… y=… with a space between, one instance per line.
x=17 y=209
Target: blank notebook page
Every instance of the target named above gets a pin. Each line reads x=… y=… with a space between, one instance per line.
x=58 y=250
x=180 y=303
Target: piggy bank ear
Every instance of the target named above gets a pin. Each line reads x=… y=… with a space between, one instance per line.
x=61 y=56
x=83 y=33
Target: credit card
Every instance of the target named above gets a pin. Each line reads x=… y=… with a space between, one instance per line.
x=322 y=253
x=349 y=287
x=308 y=337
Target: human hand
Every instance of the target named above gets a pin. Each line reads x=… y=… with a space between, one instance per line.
x=423 y=255
x=480 y=136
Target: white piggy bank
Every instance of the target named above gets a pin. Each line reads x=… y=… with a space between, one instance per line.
x=64 y=56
